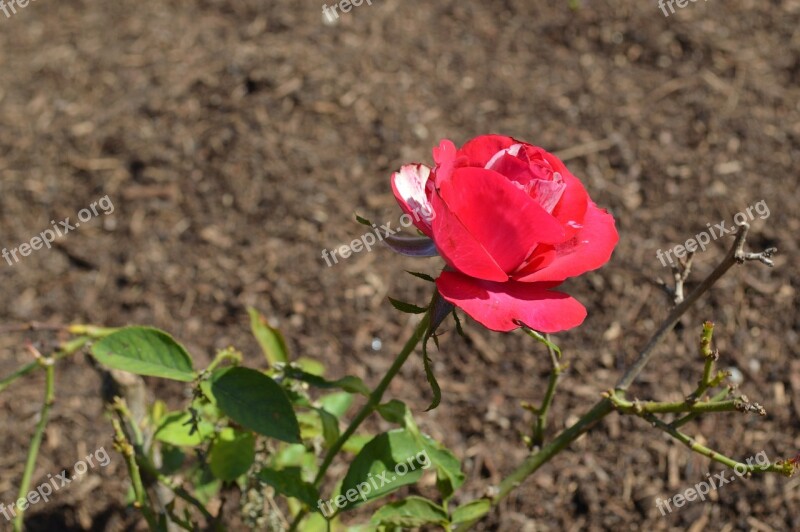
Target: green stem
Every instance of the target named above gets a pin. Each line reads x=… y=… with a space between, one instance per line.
x=698 y=448
x=535 y=461
x=177 y=489
x=227 y=354
x=605 y=406
x=94 y=332
x=144 y=462
x=36 y=441
x=541 y=416
x=67 y=349
x=680 y=407
x=126 y=449
x=372 y=403
x=721 y=396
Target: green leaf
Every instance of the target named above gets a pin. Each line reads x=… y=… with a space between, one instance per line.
x=423 y=276
x=349 y=383
x=363 y=221
x=172 y=459
x=256 y=402
x=206 y=485
x=309 y=365
x=289 y=482
x=544 y=339
x=449 y=476
x=270 y=339
x=385 y=464
x=232 y=454
x=394 y=412
x=337 y=403
x=471 y=511
x=459 y=328
x=310 y=425
x=408 y=308
x=411 y=512
x=145 y=351
x=330 y=426
x=177 y=429
x=295 y=455
x=355 y=443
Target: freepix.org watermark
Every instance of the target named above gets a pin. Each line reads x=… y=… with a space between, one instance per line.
x=367 y=240
x=9 y=7
x=345 y=6
x=701 y=489
x=60 y=229
x=421 y=459
x=46 y=489
x=701 y=240
x=664 y=4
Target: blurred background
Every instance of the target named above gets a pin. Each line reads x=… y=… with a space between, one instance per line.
x=237 y=138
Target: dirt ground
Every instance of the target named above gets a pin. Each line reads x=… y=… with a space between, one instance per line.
x=236 y=138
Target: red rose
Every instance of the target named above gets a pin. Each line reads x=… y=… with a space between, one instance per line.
x=512 y=223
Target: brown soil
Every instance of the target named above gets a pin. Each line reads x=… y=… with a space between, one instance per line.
x=237 y=138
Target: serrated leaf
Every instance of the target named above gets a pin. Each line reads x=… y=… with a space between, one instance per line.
x=408 y=308
x=410 y=512
x=385 y=464
x=289 y=482
x=270 y=339
x=471 y=511
x=423 y=276
x=232 y=454
x=145 y=351
x=256 y=402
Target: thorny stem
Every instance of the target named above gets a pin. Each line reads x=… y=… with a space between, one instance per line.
x=736 y=255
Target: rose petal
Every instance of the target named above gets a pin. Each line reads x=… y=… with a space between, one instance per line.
x=571 y=208
x=480 y=150
x=445 y=158
x=409 y=187
x=498 y=305
x=459 y=248
x=589 y=249
x=502 y=218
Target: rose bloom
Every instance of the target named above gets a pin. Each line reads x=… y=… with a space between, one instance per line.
x=512 y=223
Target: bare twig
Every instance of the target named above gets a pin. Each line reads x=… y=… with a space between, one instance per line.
x=735 y=255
